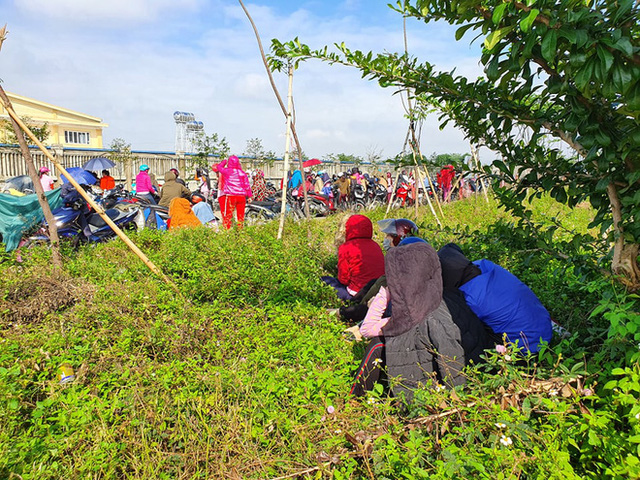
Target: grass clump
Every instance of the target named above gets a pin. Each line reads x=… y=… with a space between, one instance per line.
x=245 y=374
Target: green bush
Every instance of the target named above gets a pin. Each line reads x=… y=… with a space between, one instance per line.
x=234 y=375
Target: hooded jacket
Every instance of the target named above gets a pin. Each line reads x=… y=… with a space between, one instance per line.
x=456 y=268
x=235 y=180
x=508 y=306
x=360 y=258
x=172 y=189
x=423 y=340
x=181 y=214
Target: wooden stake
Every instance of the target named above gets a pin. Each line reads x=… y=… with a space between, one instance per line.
x=3 y=34
x=393 y=194
x=474 y=155
x=98 y=209
x=283 y=200
x=56 y=257
x=282 y=107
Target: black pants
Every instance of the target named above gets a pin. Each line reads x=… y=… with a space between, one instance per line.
x=371 y=370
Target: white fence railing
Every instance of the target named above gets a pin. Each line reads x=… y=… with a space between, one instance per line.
x=12 y=164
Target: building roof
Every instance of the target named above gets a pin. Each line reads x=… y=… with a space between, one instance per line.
x=59 y=115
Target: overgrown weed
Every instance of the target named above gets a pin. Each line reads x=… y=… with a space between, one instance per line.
x=237 y=381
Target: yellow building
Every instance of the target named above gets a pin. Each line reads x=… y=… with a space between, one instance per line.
x=66 y=127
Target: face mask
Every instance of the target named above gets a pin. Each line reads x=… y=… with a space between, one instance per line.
x=386 y=244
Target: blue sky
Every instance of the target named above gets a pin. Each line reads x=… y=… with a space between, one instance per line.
x=134 y=62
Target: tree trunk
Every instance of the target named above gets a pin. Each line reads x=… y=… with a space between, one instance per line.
x=56 y=258
x=625 y=255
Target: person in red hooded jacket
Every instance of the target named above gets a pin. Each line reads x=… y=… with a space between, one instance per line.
x=360 y=258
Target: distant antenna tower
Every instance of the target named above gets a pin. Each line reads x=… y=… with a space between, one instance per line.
x=182 y=137
x=193 y=129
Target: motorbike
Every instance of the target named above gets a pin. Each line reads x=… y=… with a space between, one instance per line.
x=319 y=205
x=270 y=208
x=69 y=226
x=404 y=195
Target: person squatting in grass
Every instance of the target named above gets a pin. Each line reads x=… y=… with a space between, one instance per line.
x=181 y=214
x=360 y=258
x=504 y=303
x=418 y=331
x=395 y=230
x=236 y=190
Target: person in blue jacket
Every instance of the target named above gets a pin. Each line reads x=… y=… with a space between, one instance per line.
x=499 y=299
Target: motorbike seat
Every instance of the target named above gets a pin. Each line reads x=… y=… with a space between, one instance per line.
x=262 y=203
x=97 y=221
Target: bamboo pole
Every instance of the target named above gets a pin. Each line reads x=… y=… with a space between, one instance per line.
x=474 y=155
x=426 y=194
x=3 y=34
x=453 y=187
x=393 y=194
x=56 y=257
x=283 y=200
x=282 y=107
x=98 y=209
x=414 y=141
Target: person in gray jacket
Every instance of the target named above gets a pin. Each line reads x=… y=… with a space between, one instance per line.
x=422 y=340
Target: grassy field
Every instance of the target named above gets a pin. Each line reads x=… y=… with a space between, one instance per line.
x=245 y=374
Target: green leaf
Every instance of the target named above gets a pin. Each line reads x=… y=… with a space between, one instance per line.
x=549 y=45
x=621 y=78
x=583 y=76
x=492 y=69
x=462 y=30
x=498 y=13
x=624 y=45
x=494 y=37
x=525 y=23
x=605 y=57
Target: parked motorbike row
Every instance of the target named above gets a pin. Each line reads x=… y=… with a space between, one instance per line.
x=80 y=223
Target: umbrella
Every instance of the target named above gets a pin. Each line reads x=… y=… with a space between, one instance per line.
x=22 y=183
x=81 y=176
x=98 y=164
x=311 y=162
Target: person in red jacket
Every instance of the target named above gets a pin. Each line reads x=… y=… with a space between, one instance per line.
x=360 y=258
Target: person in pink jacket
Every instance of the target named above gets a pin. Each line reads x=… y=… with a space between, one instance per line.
x=144 y=185
x=236 y=190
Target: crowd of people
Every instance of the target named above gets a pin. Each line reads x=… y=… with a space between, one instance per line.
x=427 y=313
x=342 y=187
x=232 y=188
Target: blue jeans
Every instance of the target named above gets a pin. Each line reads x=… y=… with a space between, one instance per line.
x=341 y=289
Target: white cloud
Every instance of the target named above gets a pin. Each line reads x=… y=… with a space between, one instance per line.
x=105 y=10
x=202 y=57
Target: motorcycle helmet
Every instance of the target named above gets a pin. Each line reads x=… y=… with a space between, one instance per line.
x=144 y=167
x=398 y=229
x=175 y=172
x=44 y=170
x=197 y=198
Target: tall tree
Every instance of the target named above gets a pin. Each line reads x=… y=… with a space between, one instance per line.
x=41 y=132
x=561 y=69
x=209 y=145
x=255 y=150
x=121 y=152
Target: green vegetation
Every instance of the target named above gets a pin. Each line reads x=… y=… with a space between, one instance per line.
x=8 y=135
x=555 y=71
x=234 y=378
